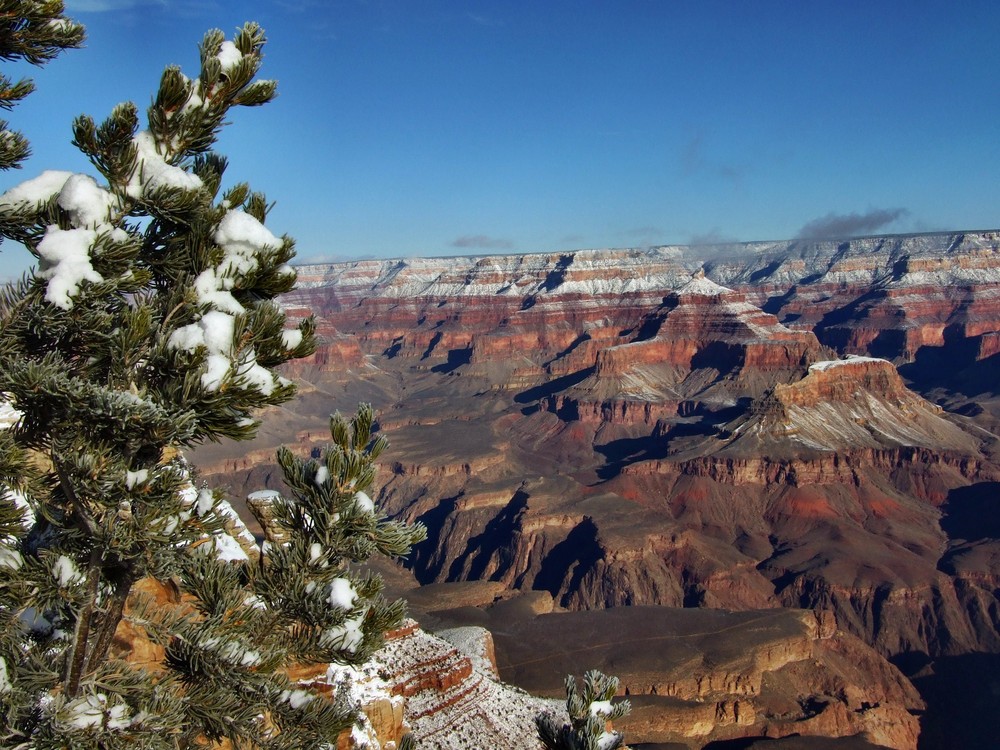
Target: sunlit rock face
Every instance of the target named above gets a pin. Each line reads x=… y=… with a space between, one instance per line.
x=681 y=426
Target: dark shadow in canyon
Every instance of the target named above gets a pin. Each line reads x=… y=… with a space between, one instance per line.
x=569 y=349
x=620 y=453
x=424 y=559
x=570 y=559
x=774 y=304
x=972 y=513
x=456 y=358
x=557 y=275
x=719 y=355
x=552 y=387
x=431 y=345
x=962 y=695
x=493 y=544
x=953 y=367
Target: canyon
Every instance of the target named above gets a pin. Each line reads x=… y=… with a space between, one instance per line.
x=790 y=426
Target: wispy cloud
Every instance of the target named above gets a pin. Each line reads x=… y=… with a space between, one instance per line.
x=483 y=242
x=481 y=20
x=713 y=237
x=693 y=157
x=833 y=226
x=695 y=160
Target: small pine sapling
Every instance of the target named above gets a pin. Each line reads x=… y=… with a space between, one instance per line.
x=330 y=521
x=590 y=714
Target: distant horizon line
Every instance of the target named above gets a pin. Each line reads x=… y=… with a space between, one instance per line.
x=648 y=248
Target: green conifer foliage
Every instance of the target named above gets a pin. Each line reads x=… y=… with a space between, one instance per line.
x=151 y=325
x=589 y=714
x=36 y=32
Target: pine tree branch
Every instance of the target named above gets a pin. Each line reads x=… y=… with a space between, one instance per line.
x=81 y=635
x=109 y=623
x=79 y=512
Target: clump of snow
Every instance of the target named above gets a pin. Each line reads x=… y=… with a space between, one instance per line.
x=8 y=414
x=152 y=172
x=233 y=651
x=36 y=623
x=86 y=711
x=297 y=698
x=92 y=711
x=243 y=240
x=135 y=478
x=269 y=495
x=22 y=503
x=228 y=549
x=5 y=686
x=65 y=572
x=347 y=636
x=322 y=475
x=215 y=331
x=229 y=55
x=88 y=205
x=10 y=558
x=232 y=544
x=59 y=24
x=364 y=503
x=252 y=600
x=291 y=338
x=65 y=256
x=607 y=740
x=35 y=192
x=342 y=593
x=204 y=502
x=601 y=708
x=214 y=289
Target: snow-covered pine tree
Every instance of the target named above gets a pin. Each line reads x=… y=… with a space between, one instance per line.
x=150 y=326
x=589 y=715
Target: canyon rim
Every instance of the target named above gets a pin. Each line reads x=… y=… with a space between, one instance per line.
x=808 y=425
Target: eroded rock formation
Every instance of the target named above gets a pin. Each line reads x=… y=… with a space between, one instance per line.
x=681 y=426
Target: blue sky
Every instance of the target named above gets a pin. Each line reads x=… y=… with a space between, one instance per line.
x=407 y=128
